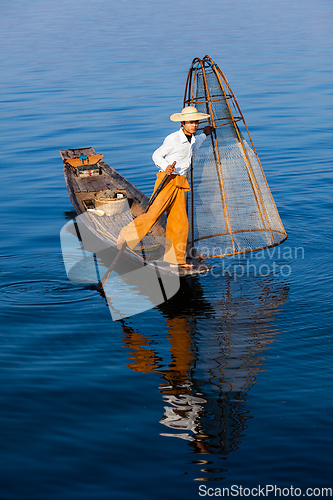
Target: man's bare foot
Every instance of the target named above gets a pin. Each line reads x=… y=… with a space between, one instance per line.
x=182 y=266
x=120 y=241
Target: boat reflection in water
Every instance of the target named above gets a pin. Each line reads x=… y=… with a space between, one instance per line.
x=218 y=331
x=217 y=350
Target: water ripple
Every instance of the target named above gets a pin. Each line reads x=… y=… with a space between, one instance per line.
x=44 y=293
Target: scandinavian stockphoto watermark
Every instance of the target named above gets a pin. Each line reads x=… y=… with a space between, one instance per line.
x=276 y=261
x=269 y=490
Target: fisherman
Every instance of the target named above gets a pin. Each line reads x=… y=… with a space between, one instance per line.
x=177 y=147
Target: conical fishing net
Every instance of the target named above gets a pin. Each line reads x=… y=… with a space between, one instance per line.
x=230 y=207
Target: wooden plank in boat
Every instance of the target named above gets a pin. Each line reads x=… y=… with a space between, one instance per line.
x=116 y=184
x=110 y=184
x=82 y=184
x=90 y=184
x=75 y=185
x=113 y=184
x=74 y=153
x=84 y=151
x=87 y=184
x=98 y=184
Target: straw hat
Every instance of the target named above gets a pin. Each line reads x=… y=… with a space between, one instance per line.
x=188 y=114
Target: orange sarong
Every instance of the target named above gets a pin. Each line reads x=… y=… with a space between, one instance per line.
x=172 y=201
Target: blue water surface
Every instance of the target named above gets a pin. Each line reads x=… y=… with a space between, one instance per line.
x=229 y=382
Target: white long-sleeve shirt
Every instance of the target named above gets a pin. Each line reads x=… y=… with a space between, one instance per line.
x=176 y=147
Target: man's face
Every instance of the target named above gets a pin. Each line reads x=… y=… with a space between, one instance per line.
x=190 y=127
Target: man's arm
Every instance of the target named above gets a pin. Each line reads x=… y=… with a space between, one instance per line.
x=199 y=139
x=208 y=129
x=160 y=153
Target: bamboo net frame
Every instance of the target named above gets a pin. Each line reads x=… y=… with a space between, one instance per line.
x=231 y=208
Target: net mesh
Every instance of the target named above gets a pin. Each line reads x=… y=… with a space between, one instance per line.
x=231 y=209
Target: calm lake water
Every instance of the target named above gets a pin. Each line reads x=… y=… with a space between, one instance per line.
x=230 y=382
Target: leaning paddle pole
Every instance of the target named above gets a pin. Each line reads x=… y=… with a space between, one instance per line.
x=107 y=273
x=158 y=190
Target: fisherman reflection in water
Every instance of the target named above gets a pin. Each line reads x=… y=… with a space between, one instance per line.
x=177 y=147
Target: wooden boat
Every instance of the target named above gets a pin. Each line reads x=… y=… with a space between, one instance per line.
x=90 y=183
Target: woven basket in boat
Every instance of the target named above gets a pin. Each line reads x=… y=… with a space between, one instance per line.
x=110 y=205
